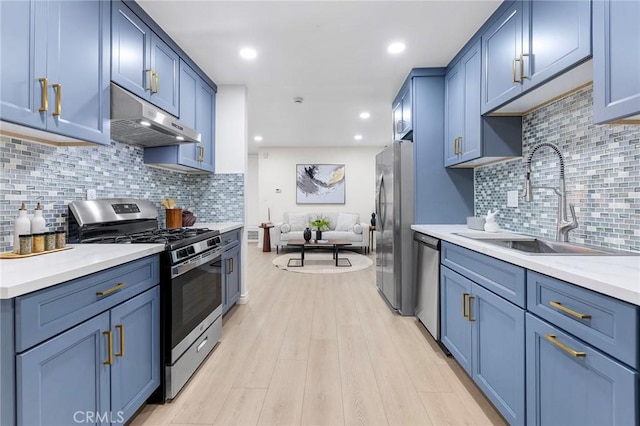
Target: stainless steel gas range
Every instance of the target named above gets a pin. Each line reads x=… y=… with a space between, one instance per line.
x=190 y=284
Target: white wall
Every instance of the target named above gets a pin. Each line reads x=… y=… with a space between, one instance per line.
x=231 y=129
x=277 y=169
x=251 y=194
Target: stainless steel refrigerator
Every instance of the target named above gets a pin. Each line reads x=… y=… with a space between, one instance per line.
x=395 y=215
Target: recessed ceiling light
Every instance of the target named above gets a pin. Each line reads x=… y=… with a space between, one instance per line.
x=364 y=115
x=358 y=137
x=396 y=47
x=258 y=138
x=248 y=53
x=145 y=123
x=180 y=138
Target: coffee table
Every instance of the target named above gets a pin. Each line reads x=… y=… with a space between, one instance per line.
x=335 y=245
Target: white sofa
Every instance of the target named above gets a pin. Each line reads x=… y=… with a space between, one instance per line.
x=342 y=226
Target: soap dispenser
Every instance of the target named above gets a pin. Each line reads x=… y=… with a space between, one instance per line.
x=37 y=221
x=21 y=226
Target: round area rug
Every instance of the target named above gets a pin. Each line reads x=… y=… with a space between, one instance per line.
x=322 y=262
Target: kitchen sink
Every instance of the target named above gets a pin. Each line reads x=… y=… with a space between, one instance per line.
x=536 y=246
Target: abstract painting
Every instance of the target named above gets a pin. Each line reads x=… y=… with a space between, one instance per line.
x=320 y=183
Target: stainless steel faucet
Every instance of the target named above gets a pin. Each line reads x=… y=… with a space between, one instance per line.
x=563 y=225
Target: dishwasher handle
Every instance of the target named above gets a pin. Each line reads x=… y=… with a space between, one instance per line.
x=427 y=240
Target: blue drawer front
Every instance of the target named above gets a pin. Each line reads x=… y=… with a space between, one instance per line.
x=502 y=278
x=612 y=326
x=563 y=389
x=45 y=313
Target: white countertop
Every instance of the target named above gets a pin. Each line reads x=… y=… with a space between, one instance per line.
x=219 y=226
x=21 y=276
x=616 y=276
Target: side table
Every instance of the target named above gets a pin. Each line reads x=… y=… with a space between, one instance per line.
x=266 y=237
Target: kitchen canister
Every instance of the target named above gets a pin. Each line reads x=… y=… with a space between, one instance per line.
x=21 y=226
x=174 y=218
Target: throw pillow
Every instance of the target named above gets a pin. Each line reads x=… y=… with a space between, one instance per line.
x=298 y=221
x=346 y=221
x=285 y=228
x=357 y=228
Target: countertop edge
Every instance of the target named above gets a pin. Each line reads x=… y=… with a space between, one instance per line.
x=538 y=264
x=40 y=283
x=220 y=226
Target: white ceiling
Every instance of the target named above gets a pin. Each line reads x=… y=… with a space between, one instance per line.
x=331 y=53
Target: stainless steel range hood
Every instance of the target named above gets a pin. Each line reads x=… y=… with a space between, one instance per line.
x=137 y=122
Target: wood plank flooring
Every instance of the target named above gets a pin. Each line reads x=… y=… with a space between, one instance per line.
x=312 y=349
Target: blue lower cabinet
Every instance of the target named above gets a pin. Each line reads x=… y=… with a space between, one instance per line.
x=135 y=372
x=485 y=334
x=571 y=383
x=65 y=380
x=455 y=327
x=231 y=269
x=498 y=363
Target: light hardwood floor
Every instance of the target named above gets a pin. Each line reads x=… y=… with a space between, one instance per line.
x=313 y=349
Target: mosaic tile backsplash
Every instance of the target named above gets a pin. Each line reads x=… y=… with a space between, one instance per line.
x=55 y=176
x=602 y=165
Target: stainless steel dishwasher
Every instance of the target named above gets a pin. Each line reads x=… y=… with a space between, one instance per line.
x=427 y=250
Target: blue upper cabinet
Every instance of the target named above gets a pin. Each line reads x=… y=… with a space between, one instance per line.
x=141 y=62
x=462 y=115
x=402 y=113
x=501 y=51
x=557 y=35
x=55 y=67
x=197 y=109
x=528 y=43
x=616 y=61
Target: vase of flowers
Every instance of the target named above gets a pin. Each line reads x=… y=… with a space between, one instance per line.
x=320 y=224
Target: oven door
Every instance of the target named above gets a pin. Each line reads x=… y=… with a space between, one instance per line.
x=195 y=300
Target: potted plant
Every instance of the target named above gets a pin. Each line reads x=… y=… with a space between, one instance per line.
x=320 y=224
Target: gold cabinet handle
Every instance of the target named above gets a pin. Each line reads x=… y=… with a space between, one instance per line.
x=456 y=146
x=566 y=310
x=120 y=328
x=109 y=335
x=469 y=308
x=513 y=69
x=58 y=88
x=111 y=290
x=464 y=305
x=44 y=103
x=552 y=338
x=459 y=145
x=231 y=264
x=522 y=55
x=156 y=77
x=150 y=88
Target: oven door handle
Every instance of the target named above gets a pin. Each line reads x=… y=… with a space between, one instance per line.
x=195 y=262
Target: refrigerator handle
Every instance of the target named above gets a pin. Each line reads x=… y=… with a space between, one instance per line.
x=379 y=206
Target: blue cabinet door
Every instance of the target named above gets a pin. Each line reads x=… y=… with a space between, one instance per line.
x=205 y=124
x=557 y=36
x=471 y=142
x=454 y=113
x=616 y=59
x=499 y=349
x=501 y=53
x=165 y=64
x=189 y=82
x=65 y=379
x=455 y=326
x=78 y=69
x=130 y=51
x=135 y=373
x=231 y=270
x=23 y=39
x=570 y=383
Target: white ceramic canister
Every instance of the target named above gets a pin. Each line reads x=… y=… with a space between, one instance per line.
x=21 y=226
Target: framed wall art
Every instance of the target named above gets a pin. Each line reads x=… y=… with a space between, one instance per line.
x=320 y=184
